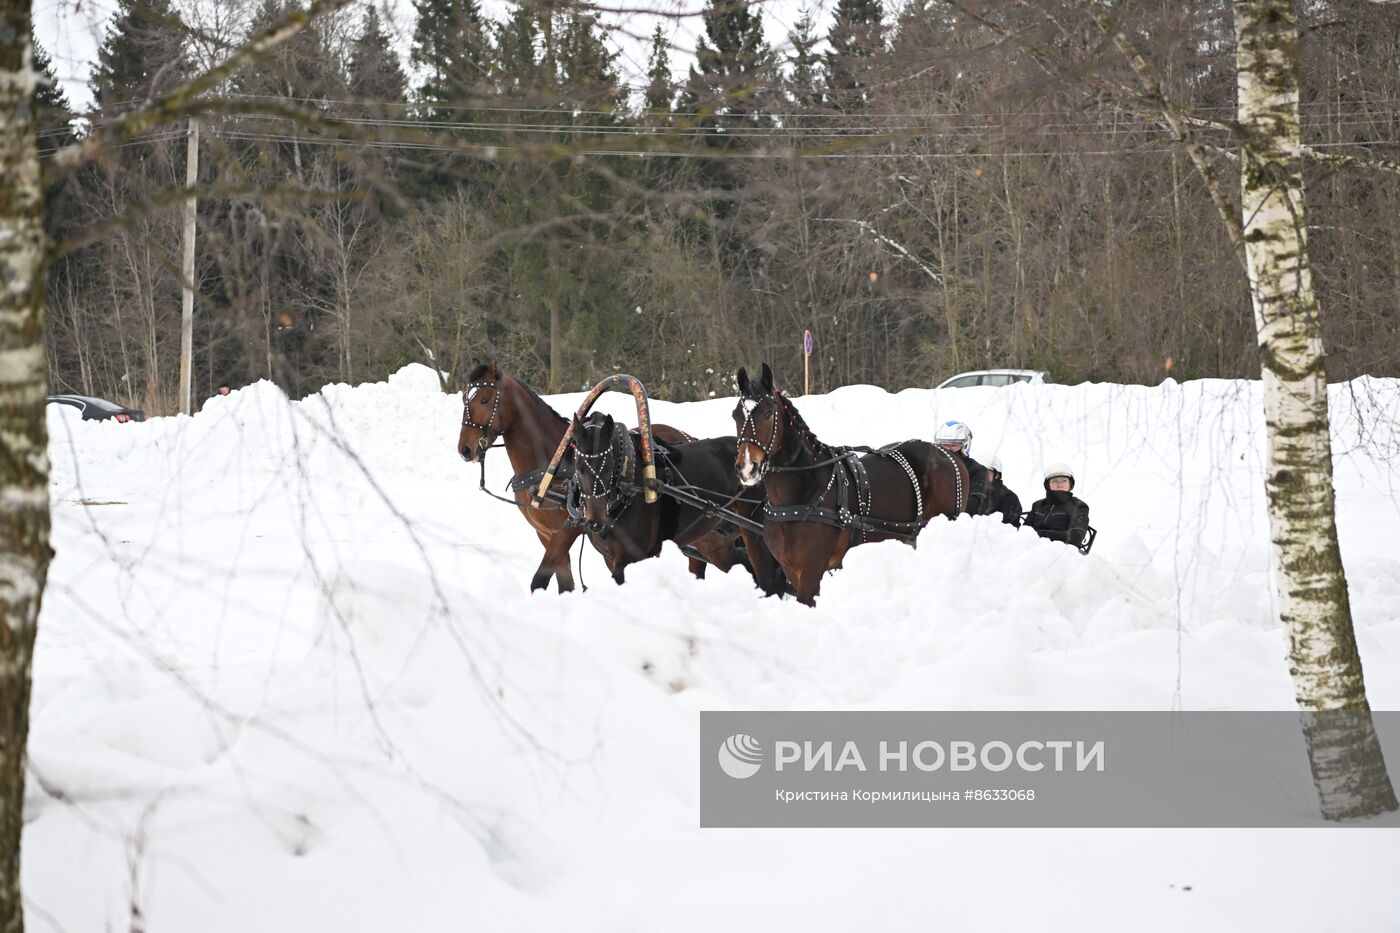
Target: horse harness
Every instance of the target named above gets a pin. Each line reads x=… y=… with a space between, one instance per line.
x=748 y=434
x=849 y=474
x=486 y=428
x=555 y=499
x=618 y=490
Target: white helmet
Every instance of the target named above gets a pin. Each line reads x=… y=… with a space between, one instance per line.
x=954 y=432
x=1058 y=469
x=994 y=464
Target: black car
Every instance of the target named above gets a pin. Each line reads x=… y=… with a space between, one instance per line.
x=98 y=409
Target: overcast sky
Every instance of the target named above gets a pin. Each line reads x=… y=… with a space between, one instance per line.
x=71 y=31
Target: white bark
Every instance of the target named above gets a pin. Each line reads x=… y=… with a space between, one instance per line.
x=187 y=269
x=24 y=499
x=1311 y=582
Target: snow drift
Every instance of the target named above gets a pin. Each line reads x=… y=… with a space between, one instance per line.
x=290 y=676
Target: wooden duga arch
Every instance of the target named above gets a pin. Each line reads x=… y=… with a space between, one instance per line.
x=639 y=395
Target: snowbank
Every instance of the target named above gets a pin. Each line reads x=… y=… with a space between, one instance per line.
x=290 y=675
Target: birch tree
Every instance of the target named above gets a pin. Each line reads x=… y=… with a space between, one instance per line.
x=1311 y=582
x=24 y=491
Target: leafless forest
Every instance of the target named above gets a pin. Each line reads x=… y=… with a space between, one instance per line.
x=928 y=188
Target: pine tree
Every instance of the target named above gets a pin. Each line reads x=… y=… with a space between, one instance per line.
x=857 y=36
x=734 y=67
x=660 y=97
x=451 y=47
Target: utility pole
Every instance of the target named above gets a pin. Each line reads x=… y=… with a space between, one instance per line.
x=187 y=268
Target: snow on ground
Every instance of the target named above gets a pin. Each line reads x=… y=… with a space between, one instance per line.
x=290 y=676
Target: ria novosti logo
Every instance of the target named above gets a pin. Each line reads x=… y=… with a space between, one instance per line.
x=741 y=756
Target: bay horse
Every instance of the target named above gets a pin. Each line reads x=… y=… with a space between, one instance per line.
x=625 y=528
x=824 y=500
x=495 y=406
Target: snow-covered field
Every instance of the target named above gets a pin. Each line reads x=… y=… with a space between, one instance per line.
x=290 y=676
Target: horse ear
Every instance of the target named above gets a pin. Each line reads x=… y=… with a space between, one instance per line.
x=607 y=424
x=475 y=363
x=577 y=425
x=493 y=370
x=743 y=382
x=767 y=380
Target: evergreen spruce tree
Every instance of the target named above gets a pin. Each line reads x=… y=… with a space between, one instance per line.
x=141 y=55
x=376 y=77
x=523 y=53
x=53 y=112
x=803 y=85
x=587 y=68
x=857 y=36
x=451 y=46
x=659 y=99
x=733 y=71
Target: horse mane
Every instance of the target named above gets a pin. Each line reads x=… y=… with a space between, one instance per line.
x=799 y=424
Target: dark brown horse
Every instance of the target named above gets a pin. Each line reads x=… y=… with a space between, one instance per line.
x=625 y=528
x=824 y=500
x=496 y=405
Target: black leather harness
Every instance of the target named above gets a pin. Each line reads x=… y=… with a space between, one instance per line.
x=849 y=475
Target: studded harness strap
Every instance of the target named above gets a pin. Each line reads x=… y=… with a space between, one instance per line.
x=495 y=408
x=957 y=479
x=617 y=489
x=847 y=470
x=554 y=501
x=748 y=434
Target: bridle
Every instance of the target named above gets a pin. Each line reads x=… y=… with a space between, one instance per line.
x=748 y=432
x=616 y=484
x=486 y=430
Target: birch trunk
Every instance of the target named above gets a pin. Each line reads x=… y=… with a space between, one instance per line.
x=24 y=467
x=1344 y=752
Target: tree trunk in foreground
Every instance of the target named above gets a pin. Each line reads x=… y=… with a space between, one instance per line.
x=1343 y=749
x=24 y=465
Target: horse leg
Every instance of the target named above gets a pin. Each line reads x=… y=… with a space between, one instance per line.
x=563 y=573
x=555 y=562
x=766 y=570
x=697 y=568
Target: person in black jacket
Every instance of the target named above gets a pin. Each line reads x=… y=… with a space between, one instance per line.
x=956 y=438
x=1000 y=500
x=1060 y=516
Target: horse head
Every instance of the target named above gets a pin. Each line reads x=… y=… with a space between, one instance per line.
x=602 y=466
x=758 y=424
x=485 y=411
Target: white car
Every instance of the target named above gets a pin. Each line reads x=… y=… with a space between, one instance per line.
x=996 y=377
